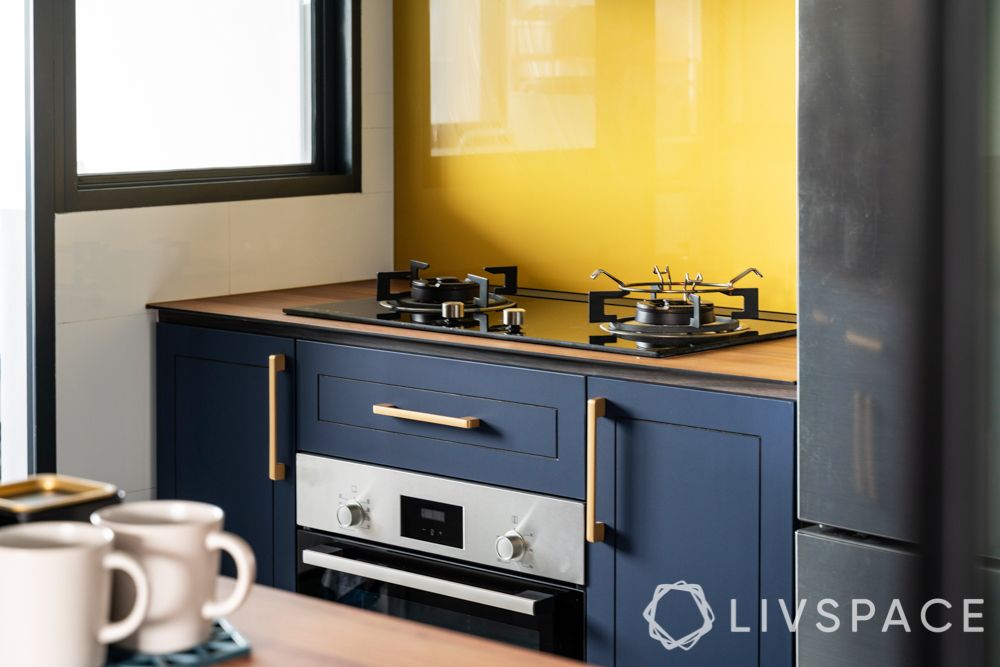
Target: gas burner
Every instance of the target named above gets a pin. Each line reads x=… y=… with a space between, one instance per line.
x=663 y=322
x=428 y=297
x=441 y=289
x=672 y=312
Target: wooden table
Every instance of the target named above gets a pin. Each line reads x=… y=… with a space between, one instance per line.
x=289 y=630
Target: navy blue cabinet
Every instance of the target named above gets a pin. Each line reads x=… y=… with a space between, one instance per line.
x=696 y=492
x=213 y=427
x=695 y=488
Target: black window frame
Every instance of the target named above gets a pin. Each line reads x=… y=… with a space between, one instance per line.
x=336 y=160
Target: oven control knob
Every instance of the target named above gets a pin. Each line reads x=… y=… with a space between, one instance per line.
x=510 y=546
x=350 y=514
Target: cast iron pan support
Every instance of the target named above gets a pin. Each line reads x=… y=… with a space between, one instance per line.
x=509 y=283
x=383 y=281
x=751 y=307
x=509 y=278
x=695 y=301
x=483 y=299
x=595 y=305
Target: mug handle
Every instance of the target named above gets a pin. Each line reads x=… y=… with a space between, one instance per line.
x=246 y=572
x=115 y=632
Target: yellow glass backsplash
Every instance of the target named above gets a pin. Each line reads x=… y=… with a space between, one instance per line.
x=567 y=135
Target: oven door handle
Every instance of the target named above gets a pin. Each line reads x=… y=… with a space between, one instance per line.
x=524 y=603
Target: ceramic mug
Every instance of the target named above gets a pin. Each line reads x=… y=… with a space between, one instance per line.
x=177 y=542
x=55 y=593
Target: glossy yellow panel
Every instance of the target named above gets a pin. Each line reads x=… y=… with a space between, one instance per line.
x=567 y=135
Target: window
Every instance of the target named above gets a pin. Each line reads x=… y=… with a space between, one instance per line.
x=179 y=101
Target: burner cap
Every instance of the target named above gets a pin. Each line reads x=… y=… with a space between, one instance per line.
x=443 y=288
x=672 y=312
x=441 y=281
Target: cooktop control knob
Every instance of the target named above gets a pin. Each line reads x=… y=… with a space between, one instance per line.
x=513 y=317
x=452 y=310
x=350 y=514
x=510 y=546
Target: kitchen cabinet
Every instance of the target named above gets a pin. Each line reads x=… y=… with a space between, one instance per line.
x=214 y=424
x=693 y=488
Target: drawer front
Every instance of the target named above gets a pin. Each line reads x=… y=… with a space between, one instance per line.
x=514 y=427
x=836 y=566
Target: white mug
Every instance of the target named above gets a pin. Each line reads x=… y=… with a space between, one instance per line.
x=55 y=593
x=177 y=542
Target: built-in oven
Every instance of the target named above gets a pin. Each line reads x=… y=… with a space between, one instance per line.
x=491 y=562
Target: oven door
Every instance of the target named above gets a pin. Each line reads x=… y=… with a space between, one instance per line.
x=466 y=598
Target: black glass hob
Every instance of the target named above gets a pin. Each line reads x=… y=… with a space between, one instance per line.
x=551 y=318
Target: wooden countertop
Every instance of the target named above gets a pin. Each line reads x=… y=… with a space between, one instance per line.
x=773 y=360
x=289 y=630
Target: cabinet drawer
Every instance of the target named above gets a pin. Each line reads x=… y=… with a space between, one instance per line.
x=514 y=427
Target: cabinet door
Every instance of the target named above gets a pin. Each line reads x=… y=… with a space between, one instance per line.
x=698 y=505
x=213 y=437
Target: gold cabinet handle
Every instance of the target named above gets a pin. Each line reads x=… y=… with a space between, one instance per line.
x=389 y=410
x=595 y=528
x=275 y=365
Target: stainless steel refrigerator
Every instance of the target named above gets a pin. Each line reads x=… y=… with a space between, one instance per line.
x=892 y=334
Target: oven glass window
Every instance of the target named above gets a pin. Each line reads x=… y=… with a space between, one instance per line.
x=557 y=626
x=444 y=612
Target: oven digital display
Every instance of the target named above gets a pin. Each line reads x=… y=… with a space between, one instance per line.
x=432 y=515
x=431 y=521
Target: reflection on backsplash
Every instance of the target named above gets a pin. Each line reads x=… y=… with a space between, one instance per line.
x=515 y=75
x=567 y=135
x=678 y=60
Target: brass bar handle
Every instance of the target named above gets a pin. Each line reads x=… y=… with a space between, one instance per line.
x=595 y=410
x=389 y=410
x=275 y=365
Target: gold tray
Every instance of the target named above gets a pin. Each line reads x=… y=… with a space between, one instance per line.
x=44 y=492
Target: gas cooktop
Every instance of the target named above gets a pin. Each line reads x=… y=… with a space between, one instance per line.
x=662 y=318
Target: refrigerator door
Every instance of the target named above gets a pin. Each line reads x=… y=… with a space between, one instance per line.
x=866 y=183
x=831 y=565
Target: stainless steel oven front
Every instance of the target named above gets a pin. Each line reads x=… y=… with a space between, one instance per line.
x=492 y=562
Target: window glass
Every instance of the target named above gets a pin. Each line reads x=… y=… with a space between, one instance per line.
x=192 y=84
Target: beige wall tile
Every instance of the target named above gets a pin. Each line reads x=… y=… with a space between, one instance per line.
x=376 y=160
x=112 y=263
x=376 y=46
x=309 y=240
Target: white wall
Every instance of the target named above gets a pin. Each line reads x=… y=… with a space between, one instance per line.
x=13 y=254
x=13 y=346
x=110 y=264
